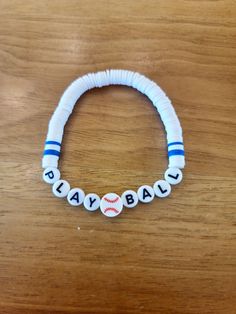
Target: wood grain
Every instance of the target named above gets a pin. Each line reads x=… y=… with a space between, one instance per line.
x=173 y=256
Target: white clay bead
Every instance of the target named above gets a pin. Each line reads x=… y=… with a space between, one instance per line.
x=61 y=188
x=145 y=193
x=92 y=201
x=51 y=175
x=173 y=175
x=75 y=197
x=162 y=188
x=129 y=198
x=111 y=205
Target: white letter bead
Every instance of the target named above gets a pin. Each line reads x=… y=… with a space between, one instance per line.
x=75 y=197
x=173 y=175
x=51 y=175
x=111 y=205
x=92 y=201
x=146 y=193
x=61 y=188
x=162 y=188
x=129 y=198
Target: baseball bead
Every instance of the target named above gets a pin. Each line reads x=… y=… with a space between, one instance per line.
x=92 y=201
x=51 y=175
x=173 y=175
x=111 y=205
x=129 y=198
x=145 y=194
x=75 y=197
x=61 y=188
x=162 y=188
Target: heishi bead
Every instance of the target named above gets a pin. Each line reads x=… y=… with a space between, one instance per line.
x=176 y=154
x=111 y=205
x=92 y=202
x=162 y=188
x=51 y=175
x=173 y=176
x=61 y=188
x=145 y=193
x=75 y=197
x=129 y=198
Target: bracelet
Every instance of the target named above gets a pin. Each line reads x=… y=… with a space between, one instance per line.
x=112 y=204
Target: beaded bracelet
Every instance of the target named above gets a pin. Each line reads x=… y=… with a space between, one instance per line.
x=112 y=204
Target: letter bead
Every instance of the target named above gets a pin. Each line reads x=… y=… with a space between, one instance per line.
x=92 y=202
x=111 y=205
x=162 y=188
x=75 y=197
x=145 y=194
x=129 y=198
x=51 y=175
x=173 y=175
x=61 y=188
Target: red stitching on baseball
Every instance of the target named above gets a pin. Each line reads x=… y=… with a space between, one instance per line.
x=111 y=201
x=112 y=209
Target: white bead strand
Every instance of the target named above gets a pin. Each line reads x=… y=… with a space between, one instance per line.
x=112 y=204
x=112 y=77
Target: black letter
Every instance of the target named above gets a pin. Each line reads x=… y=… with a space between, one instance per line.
x=92 y=201
x=58 y=188
x=146 y=193
x=75 y=197
x=174 y=177
x=160 y=188
x=129 y=199
x=50 y=174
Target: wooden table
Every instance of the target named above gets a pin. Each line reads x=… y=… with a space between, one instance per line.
x=172 y=256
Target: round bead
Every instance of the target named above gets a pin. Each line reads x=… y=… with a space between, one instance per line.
x=51 y=175
x=162 y=188
x=145 y=193
x=173 y=175
x=111 y=205
x=61 y=188
x=75 y=197
x=129 y=198
x=92 y=202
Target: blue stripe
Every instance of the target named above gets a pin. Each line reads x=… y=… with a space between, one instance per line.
x=51 y=152
x=175 y=143
x=176 y=152
x=53 y=142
